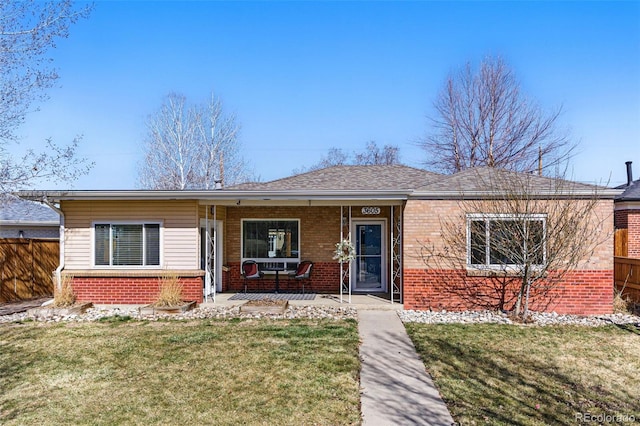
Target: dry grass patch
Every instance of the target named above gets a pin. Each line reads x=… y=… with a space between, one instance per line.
x=169 y=290
x=198 y=372
x=63 y=294
x=500 y=374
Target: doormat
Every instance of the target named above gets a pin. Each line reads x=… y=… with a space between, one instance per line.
x=273 y=296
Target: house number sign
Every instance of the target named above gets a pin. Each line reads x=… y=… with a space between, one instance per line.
x=371 y=210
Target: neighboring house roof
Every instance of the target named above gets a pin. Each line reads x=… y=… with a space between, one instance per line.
x=373 y=178
x=631 y=192
x=17 y=211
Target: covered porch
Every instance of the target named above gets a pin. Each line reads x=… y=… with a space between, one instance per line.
x=279 y=234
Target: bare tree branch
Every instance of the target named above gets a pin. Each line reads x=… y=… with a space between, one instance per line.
x=372 y=155
x=57 y=162
x=28 y=31
x=483 y=119
x=191 y=147
x=519 y=244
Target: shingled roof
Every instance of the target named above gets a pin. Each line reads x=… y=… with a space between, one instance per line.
x=631 y=192
x=484 y=179
x=17 y=210
x=378 y=177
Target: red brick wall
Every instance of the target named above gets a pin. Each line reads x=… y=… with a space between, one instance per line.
x=630 y=219
x=129 y=290
x=325 y=278
x=633 y=234
x=319 y=229
x=580 y=292
x=620 y=219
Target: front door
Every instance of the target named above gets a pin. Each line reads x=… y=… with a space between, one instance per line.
x=370 y=266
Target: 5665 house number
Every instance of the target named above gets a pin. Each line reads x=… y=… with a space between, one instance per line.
x=371 y=210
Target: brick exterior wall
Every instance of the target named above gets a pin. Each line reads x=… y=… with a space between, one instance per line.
x=325 y=278
x=580 y=292
x=620 y=219
x=630 y=219
x=129 y=290
x=319 y=229
x=633 y=234
x=428 y=285
x=319 y=233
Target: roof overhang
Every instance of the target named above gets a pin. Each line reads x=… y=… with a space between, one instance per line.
x=43 y=223
x=302 y=198
x=627 y=205
x=600 y=193
x=227 y=197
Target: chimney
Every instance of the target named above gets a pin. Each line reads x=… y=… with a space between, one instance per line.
x=218 y=184
x=629 y=173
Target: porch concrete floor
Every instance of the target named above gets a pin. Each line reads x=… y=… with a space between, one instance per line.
x=358 y=301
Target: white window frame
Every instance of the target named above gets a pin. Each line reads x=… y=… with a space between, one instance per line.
x=127 y=222
x=290 y=263
x=487 y=217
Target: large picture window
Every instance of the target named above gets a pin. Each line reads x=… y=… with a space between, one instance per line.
x=497 y=241
x=274 y=242
x=127 y=244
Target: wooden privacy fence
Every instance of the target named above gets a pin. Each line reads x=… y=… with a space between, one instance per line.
x=627 y=276
x=26 y=268
x=620 y=242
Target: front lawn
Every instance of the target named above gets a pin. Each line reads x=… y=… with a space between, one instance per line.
x=505 y=374
x=253 y=372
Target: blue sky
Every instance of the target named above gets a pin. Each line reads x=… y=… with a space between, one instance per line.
x=303 y=77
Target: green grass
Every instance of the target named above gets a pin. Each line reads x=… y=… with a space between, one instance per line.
x=199 y=372
x=515 y=375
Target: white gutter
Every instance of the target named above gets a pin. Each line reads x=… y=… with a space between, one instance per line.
x=218 y=195
x=482 y=195
x=60 y=267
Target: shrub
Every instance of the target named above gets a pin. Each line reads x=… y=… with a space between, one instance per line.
x=622 y=304
x=63 y=294
x=170 y=293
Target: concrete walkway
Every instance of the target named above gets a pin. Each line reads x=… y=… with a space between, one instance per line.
x=396 y=389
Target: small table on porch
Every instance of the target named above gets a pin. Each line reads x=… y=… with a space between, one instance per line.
x=277 y=270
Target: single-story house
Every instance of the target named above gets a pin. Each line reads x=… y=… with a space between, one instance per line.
x=115 y=244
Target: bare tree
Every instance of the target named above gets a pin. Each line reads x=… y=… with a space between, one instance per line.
x=28 y=31
x=219 y=158
x=191 y=147
x=484 y=119
x=372 y=155
x=170 y=151
x=521 y=242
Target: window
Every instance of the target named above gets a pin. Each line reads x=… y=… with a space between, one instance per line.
x=127 y=244
x=505 y=240
x=273 y=242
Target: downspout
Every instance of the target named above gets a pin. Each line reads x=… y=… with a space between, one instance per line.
x=60 y=267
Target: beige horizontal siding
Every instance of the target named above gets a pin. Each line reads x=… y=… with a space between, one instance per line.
x=180 y=249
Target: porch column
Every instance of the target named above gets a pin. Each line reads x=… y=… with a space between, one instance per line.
x=210 y=255
x=396 y=254
x=345 y=274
